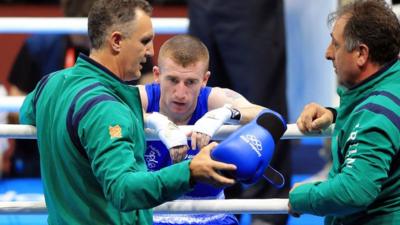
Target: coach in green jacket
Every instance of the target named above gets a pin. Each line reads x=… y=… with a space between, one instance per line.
x=90 y=129
x=363 y=186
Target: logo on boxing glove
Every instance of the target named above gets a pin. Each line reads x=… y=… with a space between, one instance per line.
x=254 y=143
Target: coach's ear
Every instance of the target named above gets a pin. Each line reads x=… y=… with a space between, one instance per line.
x=156 y=74
x=362 y=55
x=205 y=78
x=115 y=41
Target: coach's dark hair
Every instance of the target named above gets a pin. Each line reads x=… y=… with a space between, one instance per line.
x=184 y=50
x=373 y=23
x=112 y=14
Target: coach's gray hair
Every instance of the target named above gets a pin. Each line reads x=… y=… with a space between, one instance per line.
x=373 y=23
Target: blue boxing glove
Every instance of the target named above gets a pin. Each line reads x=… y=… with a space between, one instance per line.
x=251 y=147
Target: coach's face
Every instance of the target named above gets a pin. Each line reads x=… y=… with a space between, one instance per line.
x=344 y=61
x=135 y=47
x=180 y=87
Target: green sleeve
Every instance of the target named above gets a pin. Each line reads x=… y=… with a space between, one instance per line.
x=27 y=114
x=370 y=147
x=117 y=160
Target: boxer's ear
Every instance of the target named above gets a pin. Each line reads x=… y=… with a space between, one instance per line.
x=205 y=78
x=156 y=74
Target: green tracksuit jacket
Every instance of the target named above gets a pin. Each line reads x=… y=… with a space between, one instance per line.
x=91 y=142
x=363 y=186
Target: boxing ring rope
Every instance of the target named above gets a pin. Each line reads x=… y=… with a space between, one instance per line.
x=62 y=25
x=11 y=103
x=21 y=25
x=251 y=206
x=17 y=131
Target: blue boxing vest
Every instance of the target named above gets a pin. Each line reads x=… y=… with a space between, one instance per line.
x=157 y=157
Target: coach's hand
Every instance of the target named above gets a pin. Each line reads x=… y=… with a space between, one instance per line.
x=314 y=118
x=203 y=169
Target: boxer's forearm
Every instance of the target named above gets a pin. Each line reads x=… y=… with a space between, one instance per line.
x=248 y=113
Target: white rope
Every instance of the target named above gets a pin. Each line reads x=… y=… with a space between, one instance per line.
x=22 y=208
x=235 y=206
x=17 y=131
x=61 y=25
x=29 y=132
x=11 y=103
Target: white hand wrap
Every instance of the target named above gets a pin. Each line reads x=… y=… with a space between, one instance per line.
x=214 y=119
x=168 y=132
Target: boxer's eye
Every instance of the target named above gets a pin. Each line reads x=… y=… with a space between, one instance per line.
x=172 y=80
x=191 y=82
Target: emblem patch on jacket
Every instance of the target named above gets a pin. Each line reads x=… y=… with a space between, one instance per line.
x=115 y=131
